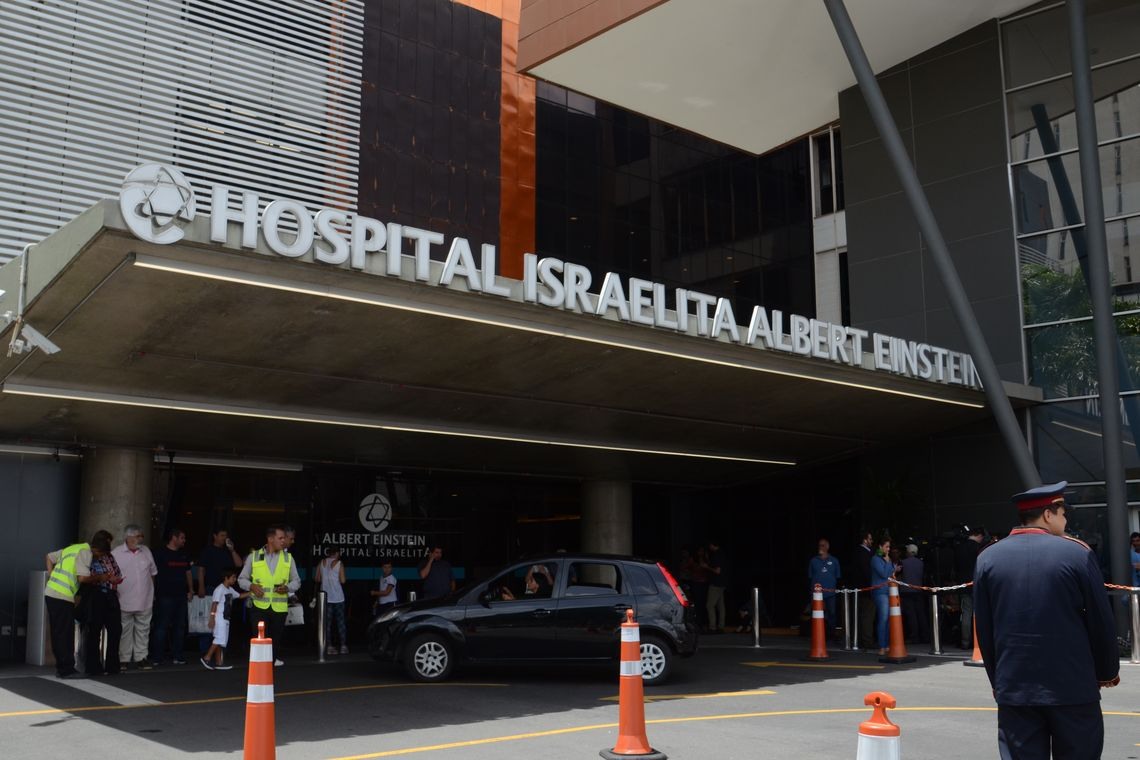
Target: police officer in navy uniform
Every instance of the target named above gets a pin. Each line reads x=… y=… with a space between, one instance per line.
x=1046 y=633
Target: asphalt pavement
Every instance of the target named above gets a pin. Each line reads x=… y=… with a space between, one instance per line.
x=730 y=701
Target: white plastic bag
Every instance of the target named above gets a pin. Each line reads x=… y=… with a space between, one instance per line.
x=296 y=615
x=198 y=613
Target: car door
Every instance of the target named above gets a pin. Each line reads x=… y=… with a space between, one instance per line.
x=591 y=609
x=514 y=625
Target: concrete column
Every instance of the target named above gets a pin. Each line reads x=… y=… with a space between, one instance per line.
x=607 y=517
x=115 y=491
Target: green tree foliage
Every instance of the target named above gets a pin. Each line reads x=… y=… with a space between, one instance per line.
x=1063 y=357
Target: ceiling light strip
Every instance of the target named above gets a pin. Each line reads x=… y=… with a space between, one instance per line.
x=238 y=411
x=46 y=451
x=244 y=464
x=341 y=294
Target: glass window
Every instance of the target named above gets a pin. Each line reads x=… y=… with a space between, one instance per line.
x=1062 y=358
x=1050 y=107
x=1053 y=278
x=1036 y=47
x=638 y=582
x=1067 y=439
x=1042 y=187
x=593 y=578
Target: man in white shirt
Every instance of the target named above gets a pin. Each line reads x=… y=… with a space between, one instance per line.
x=136 y=597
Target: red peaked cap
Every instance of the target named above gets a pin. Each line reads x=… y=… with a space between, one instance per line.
x=1040 y=497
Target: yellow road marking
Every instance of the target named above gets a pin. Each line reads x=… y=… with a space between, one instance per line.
x=240 y=698
x=709 y=695
x=661 y=721
x=775 y=664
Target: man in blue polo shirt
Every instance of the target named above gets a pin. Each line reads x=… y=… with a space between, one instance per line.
x=823 y=569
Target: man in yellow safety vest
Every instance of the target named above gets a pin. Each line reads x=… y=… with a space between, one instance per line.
x=270 y=576
x=65 y=568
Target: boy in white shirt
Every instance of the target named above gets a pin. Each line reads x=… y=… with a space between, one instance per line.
x=223 y=598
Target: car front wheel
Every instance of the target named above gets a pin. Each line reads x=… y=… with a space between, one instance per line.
x=429 y=658
x=656 y=661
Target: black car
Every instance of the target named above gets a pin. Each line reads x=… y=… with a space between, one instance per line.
x=565 y=607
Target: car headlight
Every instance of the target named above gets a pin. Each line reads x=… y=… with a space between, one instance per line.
x=389 y=615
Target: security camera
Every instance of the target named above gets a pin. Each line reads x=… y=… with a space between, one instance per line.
x=38 y=340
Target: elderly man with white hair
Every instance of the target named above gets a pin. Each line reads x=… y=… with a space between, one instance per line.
x=136 y=597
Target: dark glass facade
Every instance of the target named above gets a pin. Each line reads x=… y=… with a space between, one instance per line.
x=429 y=152
x=621 y=192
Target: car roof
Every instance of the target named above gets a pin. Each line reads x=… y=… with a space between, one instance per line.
x=587 y=556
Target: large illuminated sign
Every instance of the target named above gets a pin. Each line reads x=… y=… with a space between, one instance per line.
x=155 y=206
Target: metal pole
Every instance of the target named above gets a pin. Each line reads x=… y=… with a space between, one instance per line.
x=939 y=253
x=855 y=627
x=755 y=617
x=411 y=596
x=322 y=601
x=936 y=625
x=1134 y=603
x=846 y=622
x=1100 y=290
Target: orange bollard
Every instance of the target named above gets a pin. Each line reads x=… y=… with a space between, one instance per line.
x=897 y=652
x=879 y=739
x=631 y=741
x=260 y=734
x=818 y=627
x=976 y=661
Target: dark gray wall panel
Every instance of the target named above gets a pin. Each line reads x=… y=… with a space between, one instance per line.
x=947 y=101
x=39 y=501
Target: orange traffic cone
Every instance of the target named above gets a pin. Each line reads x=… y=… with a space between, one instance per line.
x=897 y=651
x=632 y=741
x=818 y=627
x=879 y=739
x=976 y=660
x=260 y=735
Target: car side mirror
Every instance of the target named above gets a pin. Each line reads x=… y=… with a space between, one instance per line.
x=487 y=597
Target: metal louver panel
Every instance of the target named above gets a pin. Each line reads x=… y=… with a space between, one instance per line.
x=261 y=96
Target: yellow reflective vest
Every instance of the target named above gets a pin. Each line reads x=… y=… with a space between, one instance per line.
x=63 y=579
x=259 y=574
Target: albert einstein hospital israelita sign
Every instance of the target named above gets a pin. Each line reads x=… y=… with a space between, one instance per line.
x=158 y=201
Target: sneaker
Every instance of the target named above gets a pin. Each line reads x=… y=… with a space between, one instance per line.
x=179 y=662
x=330 y=650
x=278 y=663
x=149 y=664
x=205 y=664
x=125 y=666
x=344 y=650
x=223 y=667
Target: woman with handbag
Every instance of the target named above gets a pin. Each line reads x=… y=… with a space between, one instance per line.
x=100 y=601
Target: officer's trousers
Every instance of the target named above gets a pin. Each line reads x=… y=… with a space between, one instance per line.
x=1071 y=732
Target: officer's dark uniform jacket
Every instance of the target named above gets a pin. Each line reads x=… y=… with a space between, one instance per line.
x=1046 y=596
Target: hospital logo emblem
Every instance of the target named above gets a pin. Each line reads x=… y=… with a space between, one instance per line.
x=375 y=512
x=157 y=202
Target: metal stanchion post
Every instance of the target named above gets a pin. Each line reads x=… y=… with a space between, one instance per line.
x=1134 y=603
x=935 y=625
x=411 y=596
x=855 y=625
x=846 y=622
x=321 y=611
x=756 y=617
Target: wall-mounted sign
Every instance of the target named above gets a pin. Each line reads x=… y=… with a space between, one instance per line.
x=157 y=202
x=374 y=542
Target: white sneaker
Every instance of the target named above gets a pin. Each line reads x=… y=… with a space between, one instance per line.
x=344 y=650
x=278 y=663
x=223 y=667
x=205 y=664
x=330 y=650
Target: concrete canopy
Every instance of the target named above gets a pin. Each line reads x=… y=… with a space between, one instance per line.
x=750 y=74
x=410 y=375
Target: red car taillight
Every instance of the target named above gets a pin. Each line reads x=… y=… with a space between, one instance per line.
x=684 y=600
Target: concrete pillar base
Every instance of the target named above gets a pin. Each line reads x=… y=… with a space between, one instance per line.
x=115 y=491
x=607 y=517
